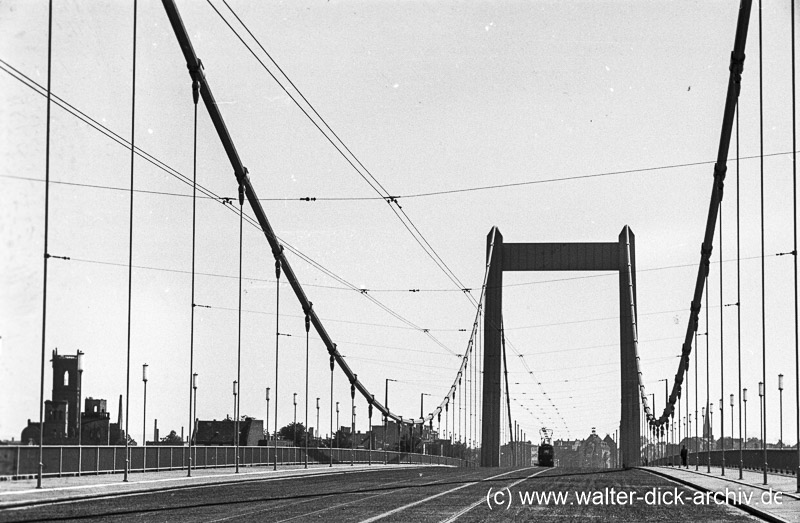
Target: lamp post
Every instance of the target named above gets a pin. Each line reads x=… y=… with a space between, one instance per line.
x=761 y=423
x=421 y=416
x=655 y=446
x=780 y=392
x=722 y=431
x=337 y=423
x=710 y=426
x=235 y=434
x=294 y=428
x=193 y=428
x=267 y=416
x=353 y=436
x=744 y=399
x=689 y=435
x=294 y=434
x=705 y=437
x=144 y=409
x=318 y=417
x=194 y=388
x=386 y=417
x=731 y=423
x=666 y=402
x=80 y=416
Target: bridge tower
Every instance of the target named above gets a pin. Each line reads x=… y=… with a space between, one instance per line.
x=617 y=256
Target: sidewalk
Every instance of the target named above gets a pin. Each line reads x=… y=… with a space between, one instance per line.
x=22 y=493
x=777 y=500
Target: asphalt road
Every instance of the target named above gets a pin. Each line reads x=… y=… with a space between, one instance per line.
x=419 y=495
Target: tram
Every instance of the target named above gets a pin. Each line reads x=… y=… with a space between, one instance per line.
x=546 y=452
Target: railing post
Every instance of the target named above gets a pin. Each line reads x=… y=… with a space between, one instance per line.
x=97 y=463
x=60 y=460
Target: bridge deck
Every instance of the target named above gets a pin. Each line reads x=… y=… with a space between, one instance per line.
x=393 y=493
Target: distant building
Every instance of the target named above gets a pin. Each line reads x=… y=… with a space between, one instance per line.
x=64 y=423
x=212 y=433
x=612 y=448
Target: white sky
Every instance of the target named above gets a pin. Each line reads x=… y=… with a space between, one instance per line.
x=430 y=96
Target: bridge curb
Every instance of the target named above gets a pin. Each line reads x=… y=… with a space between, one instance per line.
x=767 y=516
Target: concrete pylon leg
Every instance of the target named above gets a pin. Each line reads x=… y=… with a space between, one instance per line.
x=629 y=435
x=492 y=357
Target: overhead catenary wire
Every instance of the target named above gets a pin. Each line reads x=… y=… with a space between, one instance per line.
x=347 y=286
x=369 y=198
x=176 y=174
x=349 y=156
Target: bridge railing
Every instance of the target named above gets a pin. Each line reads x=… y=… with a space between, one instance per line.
x=778 y=460
x=70 y=460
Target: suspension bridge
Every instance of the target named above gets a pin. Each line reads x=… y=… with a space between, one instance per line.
x=215 y=242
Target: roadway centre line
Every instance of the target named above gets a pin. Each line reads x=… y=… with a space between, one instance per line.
x=481 y=500
x=419 y=502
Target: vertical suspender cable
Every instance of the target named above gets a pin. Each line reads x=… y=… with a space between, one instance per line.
x=130 y=254
x=195 y=97
x=709 y=433
x=460 y=400
x=472 y=396
x=237 y=434
x=480 y=381
x=505 y=372
x=46 y=231
x=332 y=435
x=696 y=397
x=794 y=216
x=469 y=397
x=277 y=336
x=738 y=299
x=468 y=404
x=353 y=423
x=763 y=313
x=721 y=346
x=308 y=326
x=688 y=414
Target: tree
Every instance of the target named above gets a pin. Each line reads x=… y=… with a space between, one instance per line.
x=294 y=432
x=172 y=438
x=342 y=440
